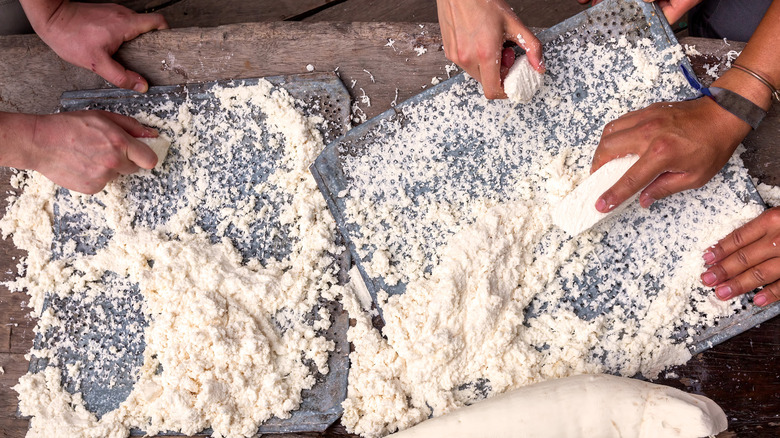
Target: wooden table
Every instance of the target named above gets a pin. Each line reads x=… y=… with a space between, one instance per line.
x=742 y=375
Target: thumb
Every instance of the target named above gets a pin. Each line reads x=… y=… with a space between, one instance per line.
x=119 y=76
x=523 y=37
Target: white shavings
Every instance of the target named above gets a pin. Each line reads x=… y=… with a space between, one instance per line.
x=228 y=339
x=731 y=55
x=420 y=50
x=435 y=80
x=690 y=50
x=395 y=99
x=364 y=99
x=455 y=203
x=770 y=194
x=390 y=43
x=450 y=68
x=521 y=40
x=712 y=70
x=358 y=115
x=352 y=84
x=309 y=68
x=371 y=76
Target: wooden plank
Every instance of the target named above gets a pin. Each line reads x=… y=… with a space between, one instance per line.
x=741 y=376
x=529 y=11
x=202 y=13
x=210 y=13
x=239 y=51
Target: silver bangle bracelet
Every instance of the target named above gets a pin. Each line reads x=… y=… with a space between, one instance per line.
x=772 y=89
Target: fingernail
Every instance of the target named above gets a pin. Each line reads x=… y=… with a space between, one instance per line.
x=709 y=257
x=151 y=130
x=140 y=87
x=723 y=292
x=601 y=205
x=759 y=300
x=645 y=200
x=708 y=278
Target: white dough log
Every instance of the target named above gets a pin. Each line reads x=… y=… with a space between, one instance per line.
x=522 y=81
x=577 y=211
x=587 y=406
x=159 y=145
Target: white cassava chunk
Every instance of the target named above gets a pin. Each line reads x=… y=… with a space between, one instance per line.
x=577 y=212
x=598 y=405
x=522 y=81
x=159 y=145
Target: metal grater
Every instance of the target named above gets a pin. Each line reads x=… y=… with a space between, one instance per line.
x=603 y=24
x=316 y=94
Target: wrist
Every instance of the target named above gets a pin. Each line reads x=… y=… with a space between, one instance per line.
x=746 y=86
x=42 y=13
x=16 y=140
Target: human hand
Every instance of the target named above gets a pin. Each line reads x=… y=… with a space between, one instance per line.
x=474 y=32
x=672 y=9
x=747 y=259
x=84 y=150
x=87 y=35
x=681 y=146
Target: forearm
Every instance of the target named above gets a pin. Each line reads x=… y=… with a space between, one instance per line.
x=761 y=56
x=16 y=140
x=40 y=12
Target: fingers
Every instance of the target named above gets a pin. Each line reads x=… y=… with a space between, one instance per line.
x=617 y=140
x=751 y=279
x=490 y=70
x=743 y=260
x=635 y=179
x=740 y=238
x=523 y=37
x=137 y=153
x=130 y=125
x=507 y=61
x=673 y=11
x=146 y=22
x=141 y=154
x=665 y=185
x=768 y=295
x=747 y=259
x=116 y=74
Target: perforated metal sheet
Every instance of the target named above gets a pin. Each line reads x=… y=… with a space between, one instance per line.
x=622 y=248
x=105 y=387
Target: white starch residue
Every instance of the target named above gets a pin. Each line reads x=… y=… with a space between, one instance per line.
x=453 y=203
x=230 y=340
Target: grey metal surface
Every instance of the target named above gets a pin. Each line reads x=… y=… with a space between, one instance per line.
x=104 y=388
x=600 y=24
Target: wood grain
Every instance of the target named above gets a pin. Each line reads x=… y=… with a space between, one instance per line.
x=531 y=12
x=210 y=13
